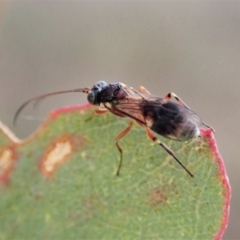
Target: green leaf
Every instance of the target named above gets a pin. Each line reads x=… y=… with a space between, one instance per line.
x=60 y=183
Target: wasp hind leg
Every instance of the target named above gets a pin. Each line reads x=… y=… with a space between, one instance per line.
x=120 y=136
x=166 y=148
x=181 y=102
x=178 y=99
x=208 y=126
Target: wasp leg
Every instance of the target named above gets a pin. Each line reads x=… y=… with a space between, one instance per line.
x=143 y=90
x=181 y=102
x=166 y=148
x=96 y=112
x=209 y=126
x=121 y=135
x=99 y=111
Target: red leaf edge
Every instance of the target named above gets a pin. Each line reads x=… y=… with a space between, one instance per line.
x=209 y=135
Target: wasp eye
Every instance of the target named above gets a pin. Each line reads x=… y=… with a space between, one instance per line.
x=91 y=97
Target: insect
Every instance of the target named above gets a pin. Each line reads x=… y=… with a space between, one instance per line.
x=171 y=119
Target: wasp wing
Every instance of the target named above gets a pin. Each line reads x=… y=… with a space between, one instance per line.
x=131 y=105
x=164 y=117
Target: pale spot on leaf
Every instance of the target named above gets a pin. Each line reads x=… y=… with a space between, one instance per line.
x=7 y=160
x=57 y=154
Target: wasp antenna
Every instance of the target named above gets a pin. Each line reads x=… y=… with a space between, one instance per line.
x=41 y=97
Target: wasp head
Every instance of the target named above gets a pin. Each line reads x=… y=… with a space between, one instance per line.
x=103 y=92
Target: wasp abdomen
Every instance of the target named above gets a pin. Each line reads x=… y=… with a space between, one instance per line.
x=172 y=120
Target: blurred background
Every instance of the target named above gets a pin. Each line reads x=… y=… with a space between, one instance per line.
x=191 y=48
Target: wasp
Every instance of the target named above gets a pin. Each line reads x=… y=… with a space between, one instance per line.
x=170 y=119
